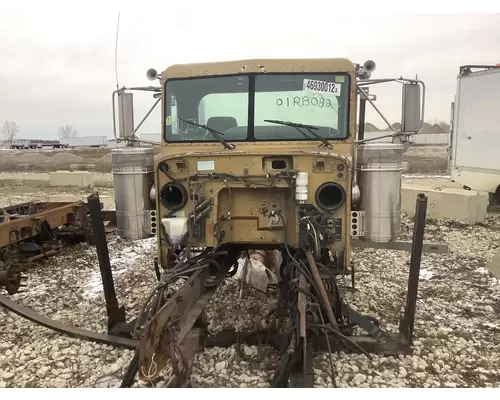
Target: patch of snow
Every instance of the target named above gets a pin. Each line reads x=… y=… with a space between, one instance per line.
x=426 y=274
x=494 y=281
x=490 y=325
x=426 y=270
x=121 y=258
x=482 y=270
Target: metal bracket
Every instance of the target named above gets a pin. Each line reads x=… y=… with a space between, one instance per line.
x=153 y=222
x=365 y=93
x=116 y=314
x=408 y=321
x=357 y=229
x=60 y=327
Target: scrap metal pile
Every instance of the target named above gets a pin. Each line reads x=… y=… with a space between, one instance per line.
x=170 y=326
x=33 y=231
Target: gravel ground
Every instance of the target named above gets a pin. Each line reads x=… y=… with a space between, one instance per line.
x=13 y=178
x=64 y=157
x=457 y=341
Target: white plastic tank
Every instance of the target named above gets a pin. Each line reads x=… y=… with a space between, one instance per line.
x=379 y=169
x=133 y=180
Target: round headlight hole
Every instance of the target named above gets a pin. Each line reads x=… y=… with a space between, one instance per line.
x=173 y=196
x=330 y=196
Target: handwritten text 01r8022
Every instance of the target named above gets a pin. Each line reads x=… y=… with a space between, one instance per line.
x=304 y=101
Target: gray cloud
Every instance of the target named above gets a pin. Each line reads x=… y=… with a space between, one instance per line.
x=59 y=69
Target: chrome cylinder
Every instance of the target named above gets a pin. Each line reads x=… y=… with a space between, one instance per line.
x=380 y=167
x=133 y=178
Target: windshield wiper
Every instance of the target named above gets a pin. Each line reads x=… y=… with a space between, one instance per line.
x=216 y=134
x=309 y=128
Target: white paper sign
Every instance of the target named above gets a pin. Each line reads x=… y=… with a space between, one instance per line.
x=206 y=165
x=311 y=85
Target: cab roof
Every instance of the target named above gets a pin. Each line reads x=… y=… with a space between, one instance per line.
x=259 y=66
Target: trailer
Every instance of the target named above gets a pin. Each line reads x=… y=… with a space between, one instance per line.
x=20 y=144
x=475 y=133
x=24 y=144
x=85 y=141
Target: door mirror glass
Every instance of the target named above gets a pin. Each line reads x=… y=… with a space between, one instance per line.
x=411 y=118
x=125 y=114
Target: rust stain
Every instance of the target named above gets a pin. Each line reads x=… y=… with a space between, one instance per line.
x=210 y=229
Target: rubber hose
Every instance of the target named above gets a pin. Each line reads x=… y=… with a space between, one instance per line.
x=131 y=372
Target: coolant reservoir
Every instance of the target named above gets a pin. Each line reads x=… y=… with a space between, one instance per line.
x=176 y=228
x=380 y=167
x=301 y=183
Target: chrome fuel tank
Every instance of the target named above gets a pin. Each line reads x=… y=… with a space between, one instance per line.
x=380 y=167
x=133 y=180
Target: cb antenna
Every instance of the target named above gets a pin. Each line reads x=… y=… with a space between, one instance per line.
x=116 y=51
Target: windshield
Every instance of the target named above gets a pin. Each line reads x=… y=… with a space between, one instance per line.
x=225 y=103
x=316 y=100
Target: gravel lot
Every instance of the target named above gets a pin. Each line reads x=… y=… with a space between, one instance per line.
x=457 y=332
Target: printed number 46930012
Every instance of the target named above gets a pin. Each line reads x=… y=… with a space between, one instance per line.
x=320 y=86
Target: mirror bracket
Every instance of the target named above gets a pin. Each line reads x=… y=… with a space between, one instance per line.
x=413 y=105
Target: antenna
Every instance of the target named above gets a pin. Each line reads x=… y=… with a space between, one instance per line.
x=116 y=51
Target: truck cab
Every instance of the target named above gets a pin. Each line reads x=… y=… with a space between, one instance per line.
x=234 y=135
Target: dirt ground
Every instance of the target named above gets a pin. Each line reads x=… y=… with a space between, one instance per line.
x=427 y=159
x=21 y=188
x=422 y=159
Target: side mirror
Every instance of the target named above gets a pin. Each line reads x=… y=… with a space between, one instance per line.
x=412 y=118
x=125 y=114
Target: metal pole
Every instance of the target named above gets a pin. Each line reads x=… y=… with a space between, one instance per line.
x=408 y=321
x=116 y=314
x=114 y=111
x=362 y=117
x=363 y=93
x=145 y=117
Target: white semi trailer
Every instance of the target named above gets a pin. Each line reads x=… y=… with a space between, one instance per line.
x=86 y=141
x=474 y=152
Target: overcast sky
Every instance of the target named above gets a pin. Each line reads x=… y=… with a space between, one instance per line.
x=60 y=69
